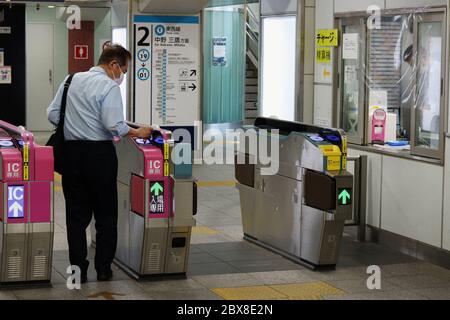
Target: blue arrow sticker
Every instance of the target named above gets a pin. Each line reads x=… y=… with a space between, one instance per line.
x=16 y=201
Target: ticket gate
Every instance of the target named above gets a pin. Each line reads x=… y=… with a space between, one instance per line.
x=26 y=208
x=157 y=202
x=300 y=211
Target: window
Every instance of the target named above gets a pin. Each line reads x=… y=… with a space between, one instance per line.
x=400 y=69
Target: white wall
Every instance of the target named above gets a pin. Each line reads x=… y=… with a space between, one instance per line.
x=273 y=7
x=323 y=93
x=373 y=187
x=446 y=215
x=411 y=199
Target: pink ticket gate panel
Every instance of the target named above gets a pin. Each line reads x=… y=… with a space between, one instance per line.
x=155 y=209
x=26 y=208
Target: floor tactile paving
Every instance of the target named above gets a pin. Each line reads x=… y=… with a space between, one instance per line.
x=297 y=291
x=202 y=230
x=307 y=291
x=249 y=293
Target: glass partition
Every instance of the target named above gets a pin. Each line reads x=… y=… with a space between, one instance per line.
x=351 y=116
x=428 y=114
x=399 y=67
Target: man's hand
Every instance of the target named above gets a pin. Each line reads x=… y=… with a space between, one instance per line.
x=142 y=132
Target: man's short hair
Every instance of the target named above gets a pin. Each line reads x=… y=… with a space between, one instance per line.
x=115 y=52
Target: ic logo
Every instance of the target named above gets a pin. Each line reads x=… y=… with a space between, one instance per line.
x=160 y=30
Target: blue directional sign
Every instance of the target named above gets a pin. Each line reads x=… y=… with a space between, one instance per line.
x=16 y=195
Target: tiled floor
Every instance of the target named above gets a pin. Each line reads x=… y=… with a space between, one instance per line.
x=223 y=266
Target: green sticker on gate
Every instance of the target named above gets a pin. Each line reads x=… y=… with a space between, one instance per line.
x=157 y=197
x=344 y=196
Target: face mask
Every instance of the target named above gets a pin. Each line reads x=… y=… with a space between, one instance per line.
x=119 y=80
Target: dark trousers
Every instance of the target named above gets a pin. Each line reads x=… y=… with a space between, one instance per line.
x=90 y=187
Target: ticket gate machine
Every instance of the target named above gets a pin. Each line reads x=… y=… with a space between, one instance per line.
x=26 y=208
x=156 y=209
x=300 y=211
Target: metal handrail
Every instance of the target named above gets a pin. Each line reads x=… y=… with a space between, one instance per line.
x=252 y=16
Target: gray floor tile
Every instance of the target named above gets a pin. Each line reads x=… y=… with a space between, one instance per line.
x=421 y=281
x=198 y=294
x=7 y=295
x=210 y=268
x=434 y=293
x=120 y=288
x=57 y=292
x=279 y=264
x=245 y=255
x=172 y=285
x=228 y=246
x=227 y=280
x=202 y=257
x=352 y=273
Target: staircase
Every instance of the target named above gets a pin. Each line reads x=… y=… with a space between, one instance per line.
x=251 y=73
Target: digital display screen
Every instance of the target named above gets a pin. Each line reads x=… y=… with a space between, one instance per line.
x=333 y=138
x=6 y=144
x=316 y=138
x=143 y=142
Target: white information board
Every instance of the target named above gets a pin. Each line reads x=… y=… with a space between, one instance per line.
x=167 y=70
x=350 y=46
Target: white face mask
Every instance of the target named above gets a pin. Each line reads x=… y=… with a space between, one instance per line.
x=119 y=80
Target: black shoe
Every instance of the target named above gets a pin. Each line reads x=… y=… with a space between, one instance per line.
x=105 y=276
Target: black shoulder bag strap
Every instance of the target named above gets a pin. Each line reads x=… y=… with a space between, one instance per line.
x=62 y=112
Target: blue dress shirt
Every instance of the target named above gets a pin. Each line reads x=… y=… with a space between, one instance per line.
x=94 y=109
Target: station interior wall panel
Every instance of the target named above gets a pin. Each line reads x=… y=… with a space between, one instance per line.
x=13 y=96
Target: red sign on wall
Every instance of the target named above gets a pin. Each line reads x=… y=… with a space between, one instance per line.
x=81 y=52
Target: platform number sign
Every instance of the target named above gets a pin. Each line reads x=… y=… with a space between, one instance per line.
x=345 y=196
x=157 y=197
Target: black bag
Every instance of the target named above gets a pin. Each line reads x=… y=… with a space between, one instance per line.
x=57 y=139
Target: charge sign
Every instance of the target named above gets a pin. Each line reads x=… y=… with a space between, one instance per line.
x=157 y=197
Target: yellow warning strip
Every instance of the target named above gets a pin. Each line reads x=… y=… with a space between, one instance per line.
x=57 y=177
x=296 y=291
x=202 y=230
x=307 y=291
x=203 y=184
x=249 y=293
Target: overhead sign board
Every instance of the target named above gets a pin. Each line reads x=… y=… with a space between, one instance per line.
x=167 y=69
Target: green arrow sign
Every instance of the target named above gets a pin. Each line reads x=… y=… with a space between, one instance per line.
x=156 y=189
x=344 y=197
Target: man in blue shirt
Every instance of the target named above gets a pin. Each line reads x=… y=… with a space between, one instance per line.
x=94 y=115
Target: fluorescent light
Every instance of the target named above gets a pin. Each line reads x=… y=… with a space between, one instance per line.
x=51 y=7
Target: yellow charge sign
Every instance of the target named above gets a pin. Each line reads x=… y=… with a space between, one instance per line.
x=327 y=38
x=332 y=155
